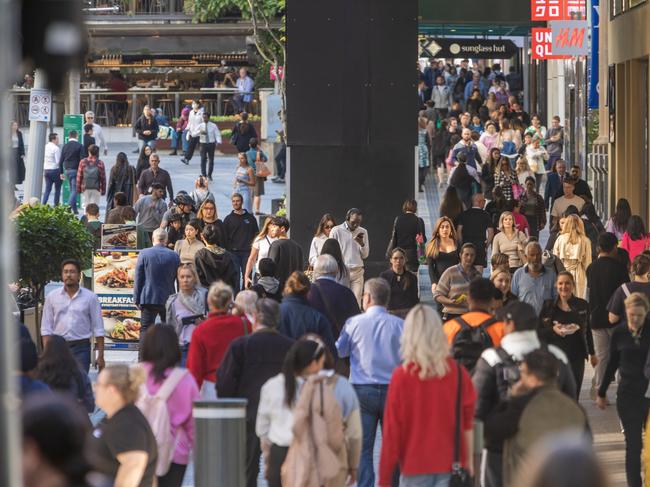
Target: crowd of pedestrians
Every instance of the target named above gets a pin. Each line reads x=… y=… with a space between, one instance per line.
x=328 y=357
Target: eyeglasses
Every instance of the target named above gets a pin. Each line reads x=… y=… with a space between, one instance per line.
x=328 y=227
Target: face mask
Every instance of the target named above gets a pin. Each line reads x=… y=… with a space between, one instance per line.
x=194 y=106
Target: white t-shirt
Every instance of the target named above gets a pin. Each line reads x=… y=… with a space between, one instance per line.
x=263 y=245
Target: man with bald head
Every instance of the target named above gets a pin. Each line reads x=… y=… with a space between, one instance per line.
x=475 y=226
x=467 y=146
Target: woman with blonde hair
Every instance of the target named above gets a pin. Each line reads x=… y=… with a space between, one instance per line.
x=260 y=250
x=523 y=171
x=510 y=241
x=442 y=250
x=573 y=248
x=420 y=415
x=502 y=280
x=325 y=225
x=123 y=446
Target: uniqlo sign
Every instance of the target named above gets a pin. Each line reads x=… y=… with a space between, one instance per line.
x=543 y=10
x=542 y=44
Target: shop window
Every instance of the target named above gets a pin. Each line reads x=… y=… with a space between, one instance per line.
x=621 y=6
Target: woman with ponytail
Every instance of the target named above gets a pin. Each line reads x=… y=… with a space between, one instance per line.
x=124 y=446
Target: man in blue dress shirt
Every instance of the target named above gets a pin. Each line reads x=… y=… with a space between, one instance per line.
x=244 y=95
x=372 y=341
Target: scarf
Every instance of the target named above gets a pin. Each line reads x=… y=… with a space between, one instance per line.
x=193 y=302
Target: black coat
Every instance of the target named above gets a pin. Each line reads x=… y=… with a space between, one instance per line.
x=121 y=181
x=249 y=362
x=288 y=257
x=333 y=300
x=240 y=138
x=19 y=154
x=576 y=346
x=143 y=123
x=216 y=265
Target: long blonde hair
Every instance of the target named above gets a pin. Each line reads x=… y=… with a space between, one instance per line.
x=574 y=228
x=433 y=247
x=424 y=343
x=522 y=165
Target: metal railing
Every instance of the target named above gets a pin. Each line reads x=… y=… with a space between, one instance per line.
x=133 y=7
x=598 y=161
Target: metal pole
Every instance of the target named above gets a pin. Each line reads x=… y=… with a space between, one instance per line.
x=220 y=444
x=35 y=149
x=10 y=458
x=74 y=80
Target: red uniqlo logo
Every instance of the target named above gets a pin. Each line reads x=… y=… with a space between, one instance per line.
x=542 y=45
x=575 y=9
x=546 y=9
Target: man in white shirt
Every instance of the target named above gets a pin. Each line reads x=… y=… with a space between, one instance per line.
x=194 y=121
x=209 y=137
x=98 y=134
x=244 y=94
x=74 y=313
x=355 y=247
x=51 y=169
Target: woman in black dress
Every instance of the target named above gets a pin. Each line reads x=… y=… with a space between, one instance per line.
x=564 y=322
x=442 y=250
x=403 y=284
x=121 y=180
x=408 y=228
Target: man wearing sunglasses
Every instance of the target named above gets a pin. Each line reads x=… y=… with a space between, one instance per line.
x=98 y=134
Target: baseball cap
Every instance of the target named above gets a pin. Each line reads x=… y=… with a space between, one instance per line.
x=523 y=314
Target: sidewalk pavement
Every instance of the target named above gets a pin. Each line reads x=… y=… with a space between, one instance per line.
x=608 y=439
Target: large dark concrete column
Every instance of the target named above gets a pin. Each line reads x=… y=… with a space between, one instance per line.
x=352 y=106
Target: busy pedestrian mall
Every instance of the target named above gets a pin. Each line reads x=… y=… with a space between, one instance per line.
x=190 y=192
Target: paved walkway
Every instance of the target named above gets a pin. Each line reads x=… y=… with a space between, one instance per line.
x=607 y=436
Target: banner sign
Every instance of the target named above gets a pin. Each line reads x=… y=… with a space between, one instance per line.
x=113 y=279
x=547 y=10
x=593 y=75
x=118 y=236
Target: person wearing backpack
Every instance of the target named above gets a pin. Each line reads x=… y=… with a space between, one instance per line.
x=497 y=370
x=477 y=330
x=166 y=401
x=91 y=177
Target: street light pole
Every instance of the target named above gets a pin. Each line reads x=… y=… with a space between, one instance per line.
x=35 y=149
x=10 y=456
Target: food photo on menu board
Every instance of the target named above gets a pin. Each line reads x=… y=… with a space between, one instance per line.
x=117 y=236
x=113 y=279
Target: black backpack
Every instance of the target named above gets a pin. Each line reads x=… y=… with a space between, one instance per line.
x=470 y=342
x=507 y=371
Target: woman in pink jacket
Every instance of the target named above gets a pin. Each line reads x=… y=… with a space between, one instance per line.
x=178 y=135
x=160 y=356
x=635 y=240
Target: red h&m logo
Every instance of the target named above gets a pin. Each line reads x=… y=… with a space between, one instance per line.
x=542 y=45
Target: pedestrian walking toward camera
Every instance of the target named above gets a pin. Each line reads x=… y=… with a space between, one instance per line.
x=209 y=138
x=355 y=247
x=194 y=121
x=74 y=313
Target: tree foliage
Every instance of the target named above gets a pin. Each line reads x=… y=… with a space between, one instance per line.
x=209 y=10
x=46 y=236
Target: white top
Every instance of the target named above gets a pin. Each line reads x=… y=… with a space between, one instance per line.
x=212 y=133
x=274 y=419
x=353 y=253
x=194 y=122
x=536 y=158
x=263 y=245
x=52 y=156
x=523 y=175
x=73 y=318
x=315 y=248
x=98 y=135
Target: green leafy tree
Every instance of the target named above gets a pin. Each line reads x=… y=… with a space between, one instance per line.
x=268 y=35
x=46 y=236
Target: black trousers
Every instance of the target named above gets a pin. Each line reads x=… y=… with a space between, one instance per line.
x=422 y=175
x=207 y=155
x=578 y=369
x=633 y=410
x=148 y=313
x=492 y=475
x=253 y=452
x=174 y=477
x=277 y=456
x=532 y=223
x=194 y=141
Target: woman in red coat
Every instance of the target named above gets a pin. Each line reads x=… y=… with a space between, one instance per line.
x=420 y=414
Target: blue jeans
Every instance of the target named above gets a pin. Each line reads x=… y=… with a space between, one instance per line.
x=372 y=398
x=52 y=177
x=427 y=480
x=176 y=137
x=150 y=143
x=71 y=175
x=82 y=353
x=240 y=259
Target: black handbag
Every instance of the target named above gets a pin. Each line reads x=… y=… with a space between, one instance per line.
x=459 y=476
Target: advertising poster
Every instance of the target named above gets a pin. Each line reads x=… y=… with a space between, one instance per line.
x=119 y=237
x=113 y=277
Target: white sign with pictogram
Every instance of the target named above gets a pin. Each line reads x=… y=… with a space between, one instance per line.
x=40 y=105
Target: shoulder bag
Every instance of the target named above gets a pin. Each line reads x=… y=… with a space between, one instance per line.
x=261 y=169
x=459 y=476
